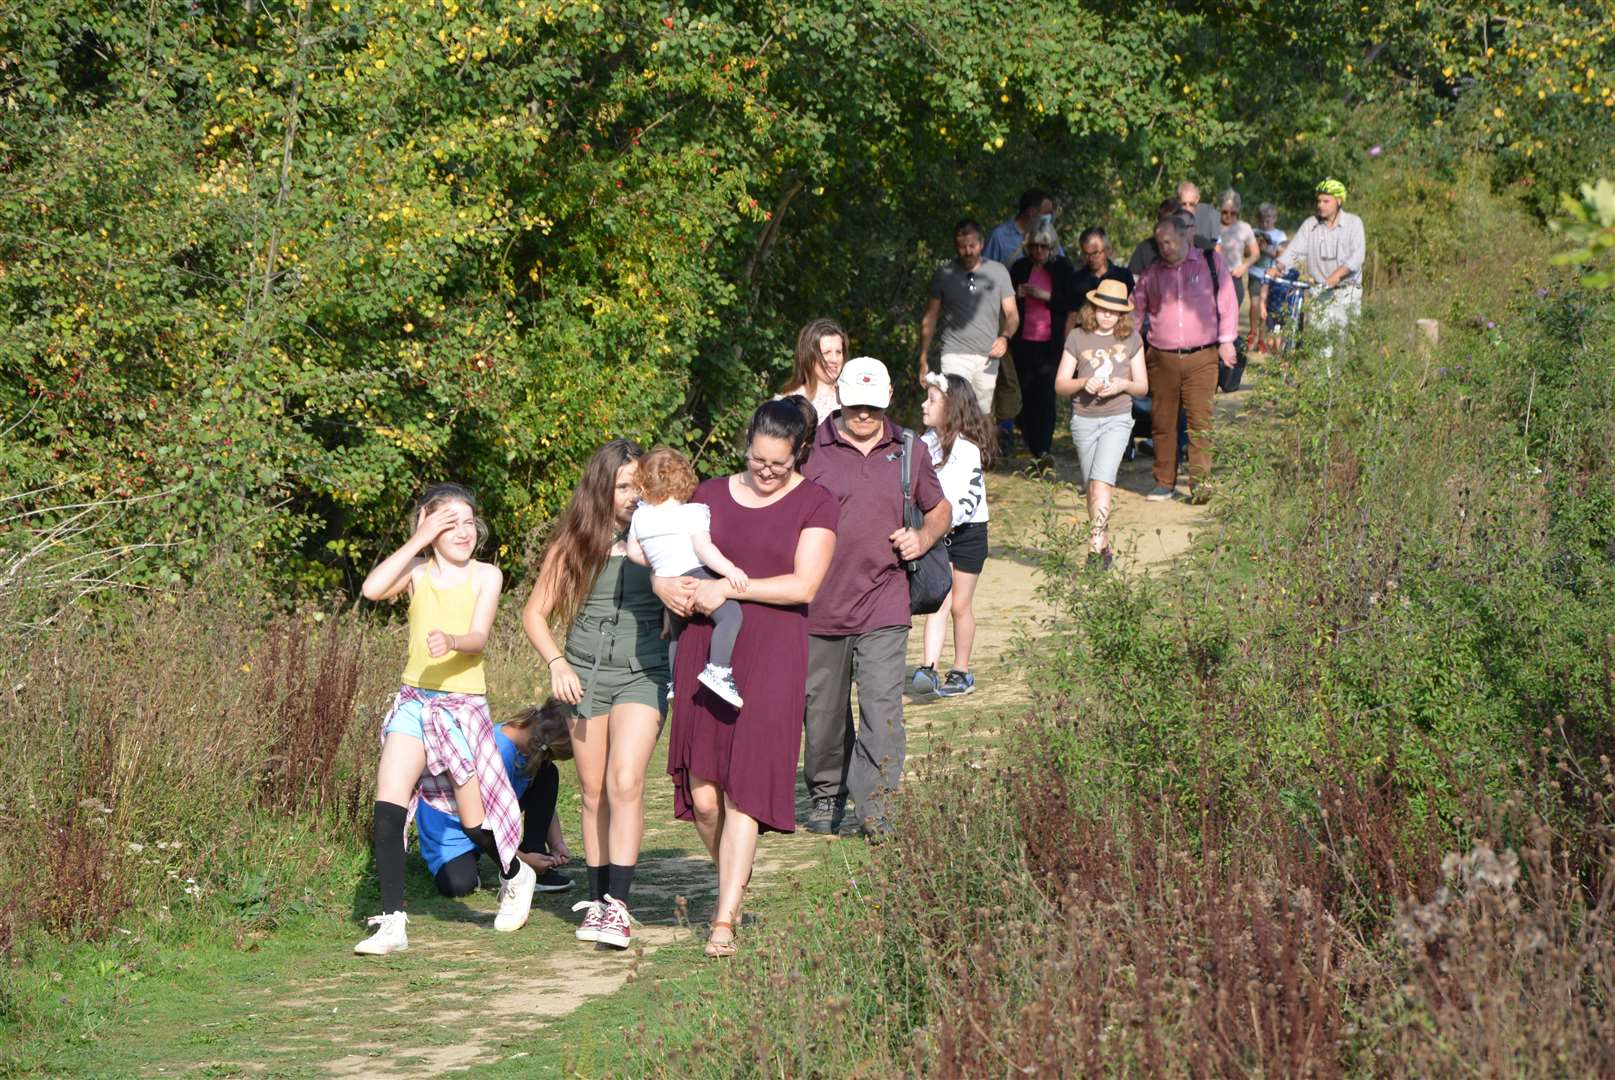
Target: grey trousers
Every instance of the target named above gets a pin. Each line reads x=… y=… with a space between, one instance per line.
x=866 y=764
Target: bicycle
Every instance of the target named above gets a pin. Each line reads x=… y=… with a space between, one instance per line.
x=1287 y=298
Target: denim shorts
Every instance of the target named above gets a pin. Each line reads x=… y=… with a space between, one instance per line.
x=408 y=718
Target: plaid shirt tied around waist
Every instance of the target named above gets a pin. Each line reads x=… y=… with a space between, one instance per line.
x=447 y=766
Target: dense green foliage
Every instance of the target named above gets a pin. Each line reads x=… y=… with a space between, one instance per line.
x=266 y=268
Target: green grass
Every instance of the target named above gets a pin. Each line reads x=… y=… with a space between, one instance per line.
x=207 y=993
x=296 y=1003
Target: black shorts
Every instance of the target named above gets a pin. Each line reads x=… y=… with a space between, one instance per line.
x=967 y=547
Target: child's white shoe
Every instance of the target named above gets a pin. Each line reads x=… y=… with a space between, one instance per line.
x=721 y=681
x=390 y=936
x=515 y=899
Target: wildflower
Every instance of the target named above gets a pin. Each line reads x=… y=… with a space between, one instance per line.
x=1376 y=150
x=135 y=849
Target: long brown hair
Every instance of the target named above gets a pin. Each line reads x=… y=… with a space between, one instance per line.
x=581 y=543
x=551 y=738
x=962 y=416
x=805 y=372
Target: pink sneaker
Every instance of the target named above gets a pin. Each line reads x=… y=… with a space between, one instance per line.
x=614 y=923
x=589 y=929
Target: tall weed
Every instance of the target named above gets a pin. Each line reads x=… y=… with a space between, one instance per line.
x=154 y=749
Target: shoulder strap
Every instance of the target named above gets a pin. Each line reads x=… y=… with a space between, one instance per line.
x=1211 y=264
x=908 y=466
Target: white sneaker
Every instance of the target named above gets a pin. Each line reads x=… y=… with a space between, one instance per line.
x=390 y=936
x=515 y=899
x=721 y=681
x=589 y=929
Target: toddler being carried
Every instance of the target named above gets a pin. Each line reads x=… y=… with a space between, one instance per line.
x=674 y=538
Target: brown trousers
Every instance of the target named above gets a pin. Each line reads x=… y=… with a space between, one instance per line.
x=1187 y=381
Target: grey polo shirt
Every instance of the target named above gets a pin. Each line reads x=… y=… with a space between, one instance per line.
x=1324 y=250
x=972 y=304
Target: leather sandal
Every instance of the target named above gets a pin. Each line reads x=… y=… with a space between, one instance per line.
x=719 y=949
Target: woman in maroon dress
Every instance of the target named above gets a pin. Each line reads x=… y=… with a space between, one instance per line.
x=734 y=771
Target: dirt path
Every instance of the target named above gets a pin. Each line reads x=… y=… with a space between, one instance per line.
x=464 y=996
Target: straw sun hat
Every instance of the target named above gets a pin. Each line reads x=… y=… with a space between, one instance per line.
x=1111 y=295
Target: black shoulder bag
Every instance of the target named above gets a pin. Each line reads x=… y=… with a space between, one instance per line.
x=930 y=577
x=1228 y=378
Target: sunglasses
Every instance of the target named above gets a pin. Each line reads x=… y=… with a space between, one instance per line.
x=970 y=280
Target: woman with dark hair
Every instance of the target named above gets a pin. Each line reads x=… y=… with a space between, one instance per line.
x=613 y=671
x=1043 y=283
x=821 y=349
x=529 y=743
x=734 y=771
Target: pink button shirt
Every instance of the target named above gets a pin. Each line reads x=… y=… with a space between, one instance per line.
x=1186 y=308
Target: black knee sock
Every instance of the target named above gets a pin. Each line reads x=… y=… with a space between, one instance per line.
x=597 y=882
x=619 y=879
x=387 y=834
x=486 y=844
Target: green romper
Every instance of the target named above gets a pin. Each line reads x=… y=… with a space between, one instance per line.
x=615 y=643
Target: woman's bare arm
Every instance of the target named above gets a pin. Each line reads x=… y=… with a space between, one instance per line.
x=814 y=547
x=1065 y=380
x=393 y=574
x=564 y=682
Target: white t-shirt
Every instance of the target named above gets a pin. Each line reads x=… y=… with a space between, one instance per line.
x=963 y=484
x=664 y=531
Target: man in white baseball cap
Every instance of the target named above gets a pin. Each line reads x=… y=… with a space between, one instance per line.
x=864 y=381
x=859 y=619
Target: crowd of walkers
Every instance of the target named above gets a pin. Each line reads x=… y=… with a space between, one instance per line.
x=751 y=607
x=1015 y=306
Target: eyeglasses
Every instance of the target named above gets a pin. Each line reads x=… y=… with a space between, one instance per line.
x=1093 y=253
x=1225 y=212
x=771 y=467
x=970 y=280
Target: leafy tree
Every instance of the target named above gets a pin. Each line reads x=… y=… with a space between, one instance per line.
x=268 y=267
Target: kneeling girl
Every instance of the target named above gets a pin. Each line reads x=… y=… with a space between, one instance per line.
x=529 y=745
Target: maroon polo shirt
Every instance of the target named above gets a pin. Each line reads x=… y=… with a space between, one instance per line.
x=866 y=588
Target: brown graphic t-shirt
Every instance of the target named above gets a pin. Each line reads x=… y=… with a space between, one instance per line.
x=1104 y=356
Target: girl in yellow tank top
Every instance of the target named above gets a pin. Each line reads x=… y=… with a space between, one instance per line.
x=437 y=740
